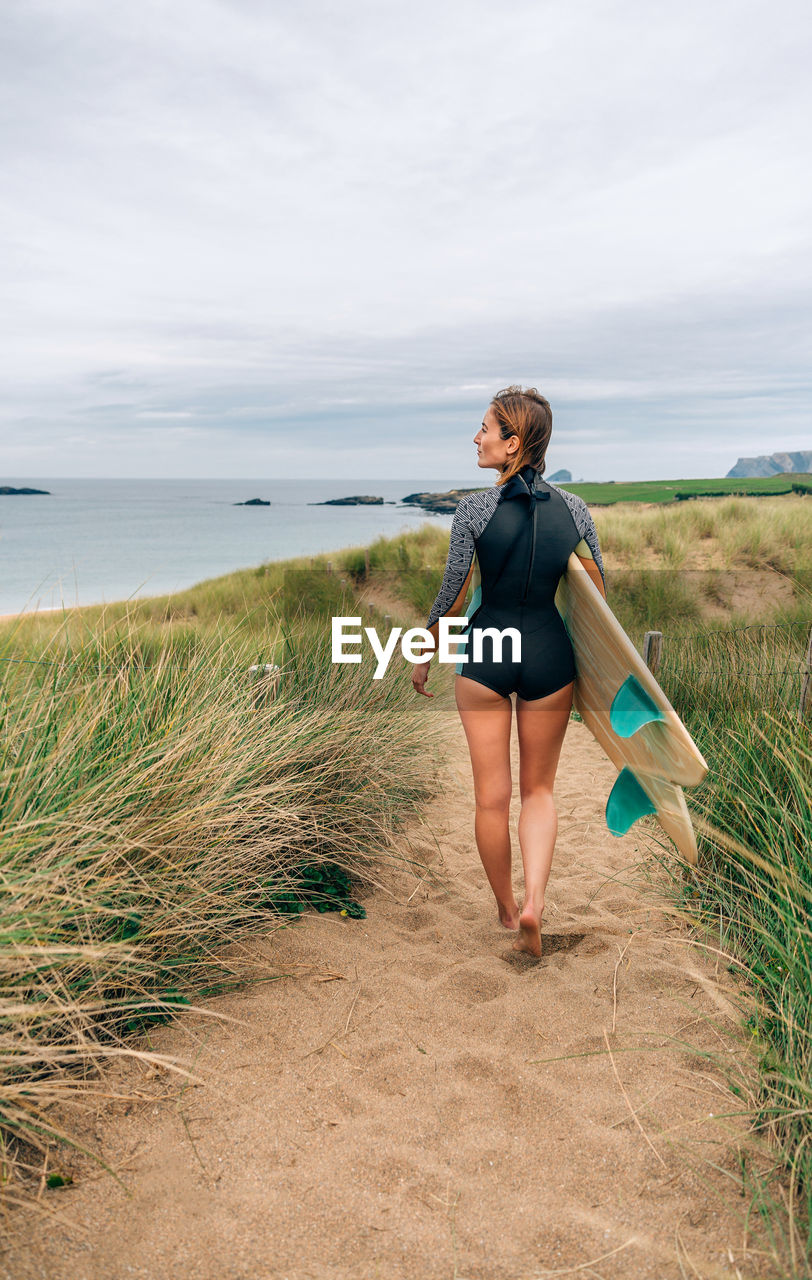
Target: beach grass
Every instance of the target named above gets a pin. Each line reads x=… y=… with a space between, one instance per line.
x=728 y=584
x=750 y=898
x=154 y=812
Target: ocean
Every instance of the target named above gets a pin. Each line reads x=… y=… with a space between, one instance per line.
x=94 y=541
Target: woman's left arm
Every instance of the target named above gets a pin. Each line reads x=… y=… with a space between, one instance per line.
x=584 y=554
x=590 y=535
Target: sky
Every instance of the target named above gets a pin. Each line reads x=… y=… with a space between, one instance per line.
x=250 y=238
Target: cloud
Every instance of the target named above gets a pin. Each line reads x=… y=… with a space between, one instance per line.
x=267 y=222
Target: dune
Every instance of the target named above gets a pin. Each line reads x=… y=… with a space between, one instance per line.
x=412 y=1099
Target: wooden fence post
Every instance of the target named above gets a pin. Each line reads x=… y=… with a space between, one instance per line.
x=652 y=649
x=805 y=704
x=265 y=679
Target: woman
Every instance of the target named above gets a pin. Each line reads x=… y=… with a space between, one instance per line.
x=513 y=542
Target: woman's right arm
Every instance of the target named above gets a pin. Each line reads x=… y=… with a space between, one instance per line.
x=459 y=567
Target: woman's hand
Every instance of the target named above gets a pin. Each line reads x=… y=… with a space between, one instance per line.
x=420 y=672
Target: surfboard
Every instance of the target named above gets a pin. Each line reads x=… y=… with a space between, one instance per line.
x=628 y=714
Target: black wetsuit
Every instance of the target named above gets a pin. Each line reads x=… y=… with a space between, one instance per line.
x=514 y=541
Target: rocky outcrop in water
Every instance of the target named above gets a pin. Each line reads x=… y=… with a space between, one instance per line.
x=357 y=500
x=7 y=491
x=252 y=502
x=440 y=503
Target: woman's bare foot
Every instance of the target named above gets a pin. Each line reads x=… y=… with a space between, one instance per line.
x=529 y=938
x=509 y=916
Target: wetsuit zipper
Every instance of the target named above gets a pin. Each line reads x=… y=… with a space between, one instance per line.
x=533 y=509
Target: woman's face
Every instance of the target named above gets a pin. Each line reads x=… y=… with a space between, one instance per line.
x=492 y=450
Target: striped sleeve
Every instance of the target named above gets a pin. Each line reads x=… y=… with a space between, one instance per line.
x=589 y=533
x=460 y=556
x=584 y=524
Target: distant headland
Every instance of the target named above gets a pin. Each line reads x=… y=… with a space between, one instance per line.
x=774 y=464
x=7 y=491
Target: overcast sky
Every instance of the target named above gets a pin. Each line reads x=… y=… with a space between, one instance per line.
x=250 y=238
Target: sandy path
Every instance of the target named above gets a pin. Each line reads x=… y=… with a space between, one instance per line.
x=396 y=1122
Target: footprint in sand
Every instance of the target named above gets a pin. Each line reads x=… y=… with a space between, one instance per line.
x=587 y=944
x=417 y=918
x=474 y=987
x=469 y=1066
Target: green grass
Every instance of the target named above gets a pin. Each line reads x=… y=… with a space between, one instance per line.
x=607 y=493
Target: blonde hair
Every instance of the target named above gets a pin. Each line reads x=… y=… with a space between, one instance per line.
x=522 y=412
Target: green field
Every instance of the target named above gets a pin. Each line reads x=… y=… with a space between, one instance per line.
x=611 y=491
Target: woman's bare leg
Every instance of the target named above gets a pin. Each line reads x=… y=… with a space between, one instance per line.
x=486 y=718
x=542 y=725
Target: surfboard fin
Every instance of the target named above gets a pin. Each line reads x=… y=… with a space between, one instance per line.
x=631 y=708
x=627 y=802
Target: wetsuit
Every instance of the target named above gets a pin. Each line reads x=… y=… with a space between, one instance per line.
x=512 y=542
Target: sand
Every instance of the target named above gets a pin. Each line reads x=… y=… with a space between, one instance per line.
x=386 y=1110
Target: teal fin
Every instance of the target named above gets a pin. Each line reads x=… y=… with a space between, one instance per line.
x=631 y=708
x=627 y=802
x=462 y=645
